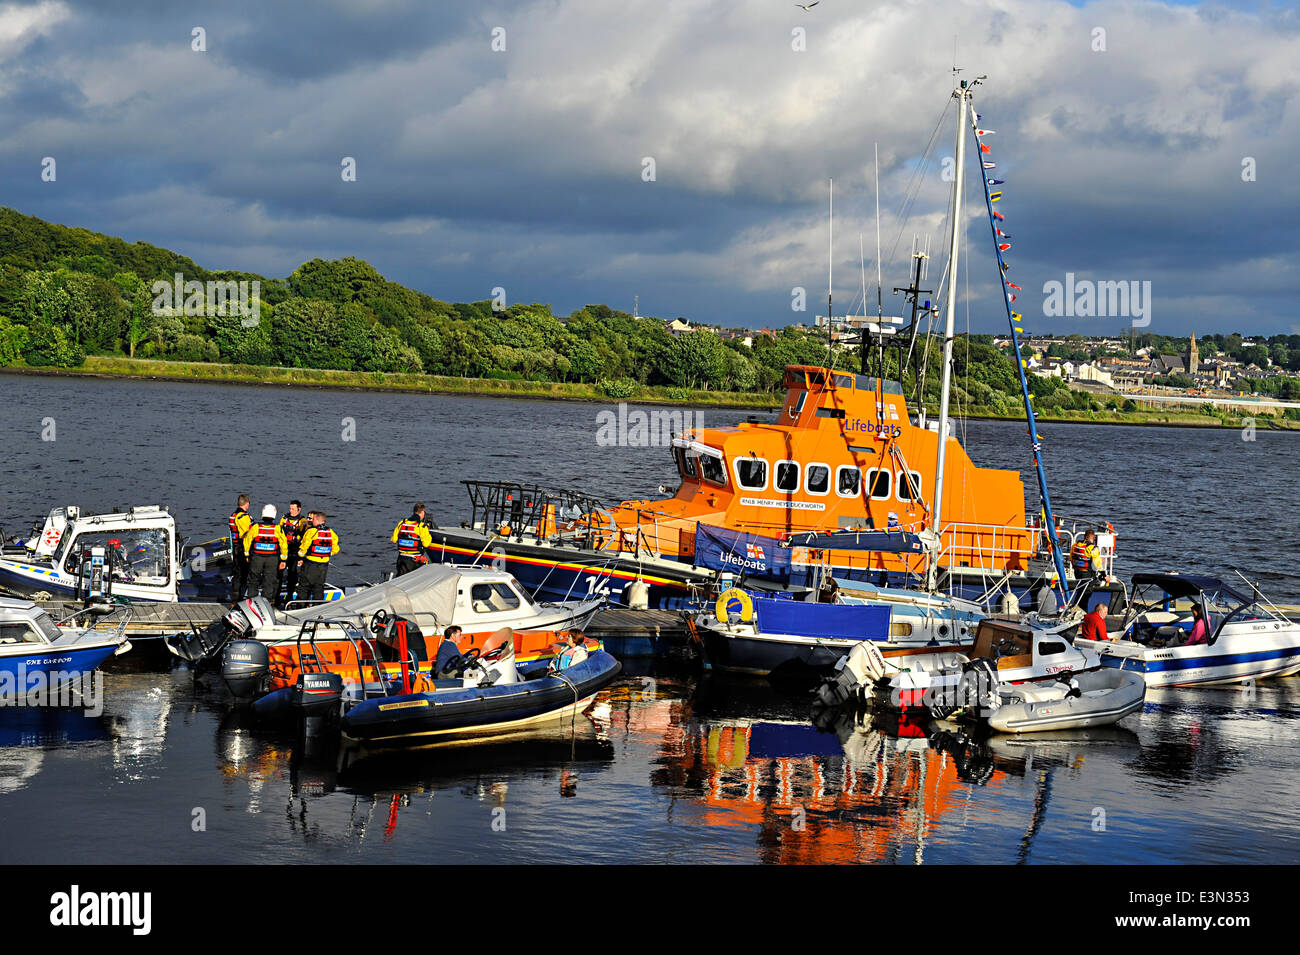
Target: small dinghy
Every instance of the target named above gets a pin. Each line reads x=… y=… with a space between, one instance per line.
x=488 y=697
x=1015 y=679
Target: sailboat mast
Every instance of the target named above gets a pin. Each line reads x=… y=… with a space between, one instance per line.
x=954 y=243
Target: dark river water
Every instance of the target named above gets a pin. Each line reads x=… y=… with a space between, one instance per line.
x=669 y=765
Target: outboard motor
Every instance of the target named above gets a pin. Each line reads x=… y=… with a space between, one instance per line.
x=317 y=695
x=855 y=673
x=257 y=613
x=246 y=668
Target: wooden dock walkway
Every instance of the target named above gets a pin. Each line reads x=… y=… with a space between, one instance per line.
x=633 y=631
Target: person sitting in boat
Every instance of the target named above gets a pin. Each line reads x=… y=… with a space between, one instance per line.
x=448 y=649
x=1094 y=624
x=574 y=652
x=1200 y=634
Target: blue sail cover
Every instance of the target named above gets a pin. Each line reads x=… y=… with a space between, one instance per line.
x=803 y=619
x=879 y=542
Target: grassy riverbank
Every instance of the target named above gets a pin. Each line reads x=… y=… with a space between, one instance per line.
x=100 y=366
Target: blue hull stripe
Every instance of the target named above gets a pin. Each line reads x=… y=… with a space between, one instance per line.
x=1196 y=663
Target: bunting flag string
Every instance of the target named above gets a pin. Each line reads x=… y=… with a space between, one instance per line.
x=990 y=165
x=996 y=182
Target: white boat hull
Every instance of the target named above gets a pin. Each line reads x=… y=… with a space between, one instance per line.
x=1251 y=650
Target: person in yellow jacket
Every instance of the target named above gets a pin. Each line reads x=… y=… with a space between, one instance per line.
x=293 y=525
x=267 y=550
x=412 y=539
x=318 y=545
x=239 y=523
x=1085 y=557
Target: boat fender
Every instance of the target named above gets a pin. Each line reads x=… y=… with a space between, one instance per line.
x=637 y=595
x=743 y=606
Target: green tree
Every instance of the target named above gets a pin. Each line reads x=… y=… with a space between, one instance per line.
x=48 y=345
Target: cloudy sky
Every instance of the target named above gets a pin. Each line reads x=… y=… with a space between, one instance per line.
x=523 y=167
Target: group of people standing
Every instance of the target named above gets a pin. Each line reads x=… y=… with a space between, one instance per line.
x=290 y=556
x=288 y=559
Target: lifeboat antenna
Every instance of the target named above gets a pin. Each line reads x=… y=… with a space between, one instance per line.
x=830 y=271
x=962 y=93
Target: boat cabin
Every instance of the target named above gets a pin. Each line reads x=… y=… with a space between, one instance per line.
x=844 y=453
x=1160 y=608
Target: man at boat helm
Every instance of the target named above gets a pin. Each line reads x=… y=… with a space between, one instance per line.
x=318 y=545
x=449 y=649
x=413 y=541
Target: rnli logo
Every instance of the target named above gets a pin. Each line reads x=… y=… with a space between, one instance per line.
x=755 y=552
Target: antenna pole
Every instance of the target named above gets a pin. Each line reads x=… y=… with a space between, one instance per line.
x=830 y=272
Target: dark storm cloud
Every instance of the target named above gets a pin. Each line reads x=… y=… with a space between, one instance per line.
x=523 y=168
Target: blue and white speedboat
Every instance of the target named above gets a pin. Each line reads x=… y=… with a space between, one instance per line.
x=1246 y=639
x=37 y=655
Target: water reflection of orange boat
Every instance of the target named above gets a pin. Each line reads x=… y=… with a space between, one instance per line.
x=810 y=796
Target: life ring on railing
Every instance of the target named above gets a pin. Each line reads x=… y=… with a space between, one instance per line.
x=737 y=599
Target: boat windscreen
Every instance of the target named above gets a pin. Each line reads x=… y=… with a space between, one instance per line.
x=46 y=626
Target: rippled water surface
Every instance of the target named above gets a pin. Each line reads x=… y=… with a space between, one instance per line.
x=669 y=765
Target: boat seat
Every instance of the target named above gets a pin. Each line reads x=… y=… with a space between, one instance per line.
x=1042 y=694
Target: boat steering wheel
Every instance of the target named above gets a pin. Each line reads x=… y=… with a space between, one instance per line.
x=378 y=621
x=459 y=664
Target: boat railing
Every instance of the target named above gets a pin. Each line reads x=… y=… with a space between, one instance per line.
x=356 y=638
x=983 y=543
x=96 y=614
x=510 y=509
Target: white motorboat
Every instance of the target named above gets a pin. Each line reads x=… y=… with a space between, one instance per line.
x=1015 y=679
x=1245 y=638
x=479 y=600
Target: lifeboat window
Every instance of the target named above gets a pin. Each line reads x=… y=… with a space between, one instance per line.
x=909 y=485
x=1047 y=649
x=493 y=598
x=879 y=482
x=848 y=480
x=797 y=407
x=818 y=479
x=686 y=464
x=787 y=476
x=751 y=473
x=712 y=470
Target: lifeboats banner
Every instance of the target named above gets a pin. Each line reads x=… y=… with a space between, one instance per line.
x=720 y=549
